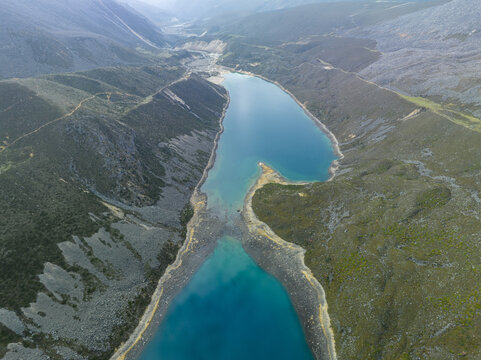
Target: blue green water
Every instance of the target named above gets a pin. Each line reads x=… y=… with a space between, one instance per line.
x=231 y=309
x=265 y=124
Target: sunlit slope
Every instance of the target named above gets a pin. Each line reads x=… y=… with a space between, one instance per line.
x=456 y=117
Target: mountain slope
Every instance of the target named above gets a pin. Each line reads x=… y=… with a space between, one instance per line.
x=43 y=36
x=199 y=9
x=96 y=173
x=394 y=237
x=434 y=53
x=289 y=24
x=154 y=13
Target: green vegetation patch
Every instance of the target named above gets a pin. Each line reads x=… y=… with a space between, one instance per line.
x=185 y=216
x=432 y=198
x=456 y=117
x=7 y=336
x=22 y=111
x=384 y=273
x=80 y=82
x=37 y=211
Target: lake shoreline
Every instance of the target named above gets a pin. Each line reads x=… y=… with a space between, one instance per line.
x=196 y=249
x=334 y=142
x=273 y=253
x=254 y=225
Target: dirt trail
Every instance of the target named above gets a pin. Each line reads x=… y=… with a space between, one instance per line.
x=50 y=122
x=79 y=106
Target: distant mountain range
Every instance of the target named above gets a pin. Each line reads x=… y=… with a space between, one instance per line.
x=197 y=9
x=154 y=13
x=48 y=36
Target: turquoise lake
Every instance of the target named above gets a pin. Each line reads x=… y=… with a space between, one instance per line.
x=232 y=309
x=265 y=124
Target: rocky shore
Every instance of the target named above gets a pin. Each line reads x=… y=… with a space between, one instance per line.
x=285 y=261
x=203 y=230
x=334 y=142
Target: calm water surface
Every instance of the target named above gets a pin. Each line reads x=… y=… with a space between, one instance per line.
x=265 y=124
x=232 y=309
